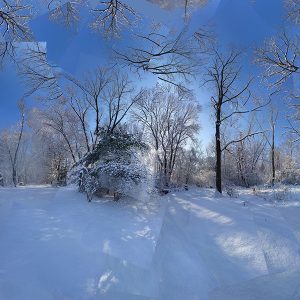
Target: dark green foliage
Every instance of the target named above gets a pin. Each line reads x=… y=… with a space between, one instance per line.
x=114 y=146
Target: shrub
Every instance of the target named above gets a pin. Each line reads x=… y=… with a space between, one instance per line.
x=114 y=165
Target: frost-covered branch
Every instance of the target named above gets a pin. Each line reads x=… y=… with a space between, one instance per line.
x=14 y=28
x=170 y=59
x=280 y=58
x=111 y=16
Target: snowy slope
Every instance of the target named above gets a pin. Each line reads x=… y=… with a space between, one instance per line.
x=188 y=245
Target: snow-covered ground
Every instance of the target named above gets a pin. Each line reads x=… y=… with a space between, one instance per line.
x=188 y=245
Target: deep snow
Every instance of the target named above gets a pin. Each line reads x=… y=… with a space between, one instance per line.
x=188 y=245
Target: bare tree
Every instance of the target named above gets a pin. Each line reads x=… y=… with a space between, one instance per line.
x=189 y=164
x=118 y=100
x=106 y=95
x=271 y=140
x=38 y=74
x=14 y=18
x=293 y=9
x=294 y=122
x=12 y=142
x=169 y=120
x=65 y=12
x=280 y=58
x=242 y=158
x=228 y=101
x=94 y=87
x=289 y=161
x=62 y=121
x=111 y=16
x=81 y=108
x=273 y=120
x=170 y=59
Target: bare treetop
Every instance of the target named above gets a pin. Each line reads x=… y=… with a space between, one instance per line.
x=224 y=74
x=169 y=120
x=65 y=12
x=293 y=8
x=229 y=99
x=36 y=71
x=170 y=59
x=111 y=16
x=280 y=58
x=205 y=39
x=14 y=18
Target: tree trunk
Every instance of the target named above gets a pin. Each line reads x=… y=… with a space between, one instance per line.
x=14 y=161
x=14 y=176
x=86 y=139
x=165 y=171
x=273 y=155
x=218 y=154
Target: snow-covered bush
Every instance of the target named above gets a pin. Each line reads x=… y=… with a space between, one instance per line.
x=114 y=166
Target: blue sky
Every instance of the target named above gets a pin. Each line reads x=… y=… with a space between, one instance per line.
x=243 y=23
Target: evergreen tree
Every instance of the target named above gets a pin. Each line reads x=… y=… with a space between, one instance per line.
x=114 y=165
